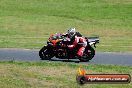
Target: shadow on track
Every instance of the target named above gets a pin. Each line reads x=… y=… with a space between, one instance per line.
x=64 y=60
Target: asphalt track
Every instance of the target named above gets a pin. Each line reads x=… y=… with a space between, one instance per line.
x=100 y=57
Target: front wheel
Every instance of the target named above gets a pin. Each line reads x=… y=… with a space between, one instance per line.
x=45 y=54
x=88 y=54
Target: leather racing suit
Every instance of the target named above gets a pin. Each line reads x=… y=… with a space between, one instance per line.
x=82 y=43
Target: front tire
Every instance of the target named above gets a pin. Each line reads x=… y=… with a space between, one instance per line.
x=45 y=54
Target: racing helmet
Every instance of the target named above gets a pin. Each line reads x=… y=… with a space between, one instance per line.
x=71 y=32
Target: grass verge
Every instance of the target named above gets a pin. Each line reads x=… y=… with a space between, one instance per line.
x=14 y=74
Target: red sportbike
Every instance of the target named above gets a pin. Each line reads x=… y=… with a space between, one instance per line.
x=57 y=47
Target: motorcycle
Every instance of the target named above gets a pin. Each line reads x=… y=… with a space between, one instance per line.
x=57 y=47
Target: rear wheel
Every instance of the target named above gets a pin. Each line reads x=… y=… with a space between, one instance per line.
x=88 y=54
x=45 y=54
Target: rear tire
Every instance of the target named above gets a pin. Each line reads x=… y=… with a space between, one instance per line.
x=88 y=54
x=45 y=54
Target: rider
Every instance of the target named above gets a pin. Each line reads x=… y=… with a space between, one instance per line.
x=77 y=38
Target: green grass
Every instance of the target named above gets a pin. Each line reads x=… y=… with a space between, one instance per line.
x=14 y=74
x=27 y=23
